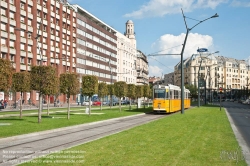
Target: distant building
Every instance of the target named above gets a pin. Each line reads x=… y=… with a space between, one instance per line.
x=126 y=55
x=142 y=68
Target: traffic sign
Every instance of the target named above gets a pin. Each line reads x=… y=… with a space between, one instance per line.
x=202 y=50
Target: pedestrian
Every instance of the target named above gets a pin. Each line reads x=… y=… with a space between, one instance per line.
x=58 y=102
x=5 y=102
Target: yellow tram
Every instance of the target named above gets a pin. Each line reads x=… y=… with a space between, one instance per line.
x=168 y=98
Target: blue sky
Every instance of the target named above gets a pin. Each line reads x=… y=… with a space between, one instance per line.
x=159 y=25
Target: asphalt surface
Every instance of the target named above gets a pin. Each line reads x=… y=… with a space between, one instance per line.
x=239 y=117
x=18 y=149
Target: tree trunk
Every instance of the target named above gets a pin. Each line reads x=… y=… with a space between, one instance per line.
x=129 y=103
x=68 y=107
x=101 y=103
x=40 y=108
x=89 y=105
x=120 y=103
x=48 y=105
x=21 y=105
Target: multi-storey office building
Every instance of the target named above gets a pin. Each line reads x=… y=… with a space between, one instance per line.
x=96 y=47
x=126 y=55
x=38 y=33
x=142 y=68
x=217 y=71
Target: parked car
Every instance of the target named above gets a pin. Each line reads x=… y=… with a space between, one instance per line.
x=114 y=102
x=232 y=100
x=97 y=103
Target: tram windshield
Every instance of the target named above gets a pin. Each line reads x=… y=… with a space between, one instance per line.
x=160 y=93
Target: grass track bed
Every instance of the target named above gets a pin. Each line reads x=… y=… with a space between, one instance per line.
x=196 y=138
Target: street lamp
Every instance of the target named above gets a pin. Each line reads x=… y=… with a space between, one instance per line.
x=201 y=59
x=182 y=51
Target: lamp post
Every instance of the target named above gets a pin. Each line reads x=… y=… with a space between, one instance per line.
x=182 y=51
x=201 y=59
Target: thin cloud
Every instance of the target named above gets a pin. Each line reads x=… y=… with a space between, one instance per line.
x=194 y=42
x=156 y=8
x=241 y=3
x=155 y=71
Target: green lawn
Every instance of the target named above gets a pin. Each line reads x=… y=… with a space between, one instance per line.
x=202 y=136
x=58 y=119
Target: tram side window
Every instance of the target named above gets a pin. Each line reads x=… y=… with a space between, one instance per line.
x=159 y=93
x=175 y=94
x=171 y=94
x=179 y=94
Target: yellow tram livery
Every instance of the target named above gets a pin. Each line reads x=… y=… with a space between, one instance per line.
x=167 y=99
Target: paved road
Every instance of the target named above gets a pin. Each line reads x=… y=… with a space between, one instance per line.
x=17 y=149
x=240 y=122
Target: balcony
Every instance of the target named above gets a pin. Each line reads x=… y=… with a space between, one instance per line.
x=3 y=4
x=57 y=39
x=68 y=22
x=63 y=52
x=12 y=22
x=4 y=19
x=68 y=11
x=12 y=8
x=52 y=37
x=52 y=25
x=57 y=16
x=68 y=63
x=39 y=7
x=4 y=34
x=74 y=34
x=68 y=53
x=68 y=32
x=64 y=41
x=28 y=68
x=45 y=34
x=57 y=28
x=64 y=30
x=23 y=53
x=45 y=46
x=30 y=41
x=74 y=55
x=74 y=44
x=45 y=10
x=52 y=14
x=30 y=29
x=12 y=50
x=30 y=2
x=23 y=12
x=57 y=4
x=12 y=36
x=23 y=67
x=4 y=48
x=64 y=20
x=30 y=15
x=52 y=48
x=23 y=40
x=57 y=50
x=23 y=1
x=52 y=2
x=30 y=55
x=23 y=26
x=74 y=14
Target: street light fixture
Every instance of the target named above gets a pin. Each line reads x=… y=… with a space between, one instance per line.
x=182 y=51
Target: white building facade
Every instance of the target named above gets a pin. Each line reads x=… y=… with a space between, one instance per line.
x=126 y=54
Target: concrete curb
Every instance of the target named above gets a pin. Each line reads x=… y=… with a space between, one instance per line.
x=61 y=129
x=240 y=139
